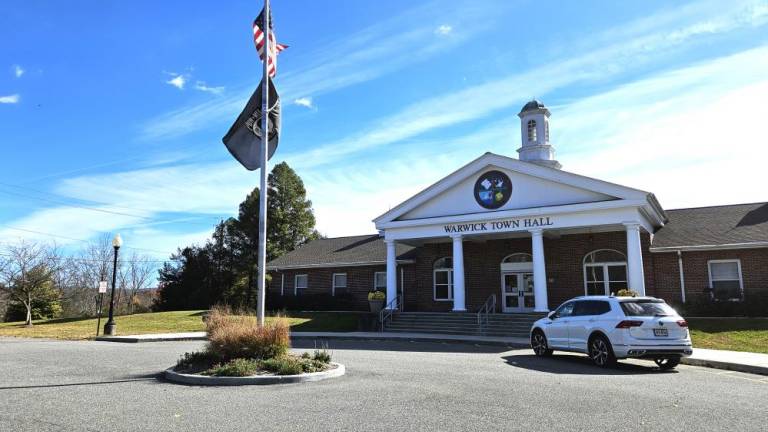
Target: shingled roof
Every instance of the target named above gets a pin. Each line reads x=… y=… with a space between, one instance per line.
x=703 y=227
x=339 y=252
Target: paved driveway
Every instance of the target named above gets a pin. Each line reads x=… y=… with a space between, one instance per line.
x=101 y=386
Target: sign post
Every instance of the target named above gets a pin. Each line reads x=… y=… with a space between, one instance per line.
x=102 y=290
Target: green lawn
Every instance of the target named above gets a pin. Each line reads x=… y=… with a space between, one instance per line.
x=730 y=334
x=165 y=322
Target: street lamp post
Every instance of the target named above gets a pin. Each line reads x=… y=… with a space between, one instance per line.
x=109 y=327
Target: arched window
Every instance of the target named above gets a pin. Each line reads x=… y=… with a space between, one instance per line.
x=531 y=130
x=442 y=277
x=546 y=131
x=517 y=258
x=605 y=272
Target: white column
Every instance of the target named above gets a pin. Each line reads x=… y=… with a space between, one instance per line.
x=391 y=271
x=539 y=271
x=635 y=277
x=459 y=304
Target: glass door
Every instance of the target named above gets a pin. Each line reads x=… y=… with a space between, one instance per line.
x=517 y=292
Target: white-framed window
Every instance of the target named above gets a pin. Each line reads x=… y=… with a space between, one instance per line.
x=442 y=279
x=531 y=130
x=380 y=281
x=605 y=272
x=725 y=279
x=300 y=282
x=546 y=131
x=339 y=283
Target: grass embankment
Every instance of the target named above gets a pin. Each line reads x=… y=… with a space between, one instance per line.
x=166 y=322
x=735 y=334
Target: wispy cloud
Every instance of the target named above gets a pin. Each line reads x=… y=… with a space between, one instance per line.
x=305 y=102
x=200 y=85
x=10 y=99
x=482 y=100
x=18 y=71
x=443 y=30
x=178 y=80
x=357 y=58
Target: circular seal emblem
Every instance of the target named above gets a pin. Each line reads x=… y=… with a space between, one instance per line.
x=493 y=189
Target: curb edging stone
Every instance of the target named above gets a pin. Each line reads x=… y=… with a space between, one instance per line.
x=202 y=380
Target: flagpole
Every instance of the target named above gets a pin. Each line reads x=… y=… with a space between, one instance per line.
x=262 y=259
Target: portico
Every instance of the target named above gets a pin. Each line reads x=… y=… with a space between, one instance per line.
x=495 y=197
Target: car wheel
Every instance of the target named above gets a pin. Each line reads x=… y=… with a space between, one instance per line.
x=600 y=352
x=539 y=344
x=667 y=363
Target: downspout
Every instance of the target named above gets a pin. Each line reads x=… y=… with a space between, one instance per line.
x=682 y=276
x=282 y=284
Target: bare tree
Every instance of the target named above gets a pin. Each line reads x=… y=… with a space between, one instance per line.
x=138 y=270
x=86 y=269
x=27 y=274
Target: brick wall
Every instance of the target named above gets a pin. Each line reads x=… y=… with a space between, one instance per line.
x=564 y=263
x=754 y=272
x=482 y=259
x=359 y=281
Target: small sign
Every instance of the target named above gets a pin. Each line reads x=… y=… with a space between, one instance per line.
x=102 y=287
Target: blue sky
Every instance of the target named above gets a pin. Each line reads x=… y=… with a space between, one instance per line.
x=112 y=113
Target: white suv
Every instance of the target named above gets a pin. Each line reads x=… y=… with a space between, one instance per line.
x=610 y=328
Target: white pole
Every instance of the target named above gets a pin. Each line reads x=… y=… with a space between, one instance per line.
x=262 y=260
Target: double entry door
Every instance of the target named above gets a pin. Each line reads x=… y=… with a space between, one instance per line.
x=517 y=292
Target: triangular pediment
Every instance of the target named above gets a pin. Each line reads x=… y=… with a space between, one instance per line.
x=531 y=186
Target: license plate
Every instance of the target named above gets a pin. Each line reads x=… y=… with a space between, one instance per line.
x=660 y=332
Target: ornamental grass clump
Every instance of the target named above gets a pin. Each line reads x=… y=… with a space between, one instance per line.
x=239 y=336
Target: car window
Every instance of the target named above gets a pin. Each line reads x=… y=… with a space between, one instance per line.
x=646 y=308
x=581 y=308
x=565 y=310
x=591 y=307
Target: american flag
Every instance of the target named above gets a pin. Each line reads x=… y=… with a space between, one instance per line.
x=274 y=47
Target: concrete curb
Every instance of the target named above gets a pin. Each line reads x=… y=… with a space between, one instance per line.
x=414 y=338
x=203 y=380
x=200 y=336
x=715 y=364
x=169 y=337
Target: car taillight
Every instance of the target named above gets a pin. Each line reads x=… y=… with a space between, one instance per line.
x=628 y=324
x=682 y=323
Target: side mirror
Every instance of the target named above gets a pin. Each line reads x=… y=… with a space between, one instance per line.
x=551 y=315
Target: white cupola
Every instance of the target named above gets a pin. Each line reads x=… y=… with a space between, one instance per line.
x=534 y=132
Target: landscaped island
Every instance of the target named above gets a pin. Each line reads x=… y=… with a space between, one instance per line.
x=238 y=347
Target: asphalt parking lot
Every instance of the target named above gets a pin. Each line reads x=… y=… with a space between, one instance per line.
x=102 y=386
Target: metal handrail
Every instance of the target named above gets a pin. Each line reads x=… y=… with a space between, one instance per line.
x=388 y=310
x=488 y=308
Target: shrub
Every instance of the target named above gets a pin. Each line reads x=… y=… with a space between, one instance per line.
x=377 y=296
x=240 y=336
x=291 y=365
x=238 y=367
x=322 y=356
x=194 y=360
x=626 y=293
x=314 y=302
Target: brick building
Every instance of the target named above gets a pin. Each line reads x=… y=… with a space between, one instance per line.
x=531 y=235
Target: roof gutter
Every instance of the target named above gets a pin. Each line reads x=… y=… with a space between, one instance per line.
x=728 y=246
x=334 y=265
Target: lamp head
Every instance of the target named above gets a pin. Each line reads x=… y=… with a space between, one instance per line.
x=117 y=241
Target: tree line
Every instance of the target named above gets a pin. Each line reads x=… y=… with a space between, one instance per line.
x=38 y=281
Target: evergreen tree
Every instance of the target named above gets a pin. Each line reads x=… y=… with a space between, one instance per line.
x=225 y=269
